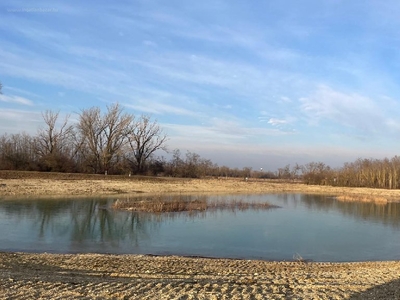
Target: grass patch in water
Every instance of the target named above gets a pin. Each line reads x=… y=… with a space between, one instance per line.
x=161 y=204
x=362 y=198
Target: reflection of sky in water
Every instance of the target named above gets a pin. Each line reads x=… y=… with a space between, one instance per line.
x=315 y=227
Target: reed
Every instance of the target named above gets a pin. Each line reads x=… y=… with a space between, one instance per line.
x=362 y=198
x=181 y=204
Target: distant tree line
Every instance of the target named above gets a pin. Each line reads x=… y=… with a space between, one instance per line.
x=373 y=173
x=116 y=142
x=113 y=142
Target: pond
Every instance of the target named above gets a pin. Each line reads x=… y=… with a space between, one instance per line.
x=317 y=228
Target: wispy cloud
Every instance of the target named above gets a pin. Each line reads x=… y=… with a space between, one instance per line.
x=352 y=110
x=157 y=108
x=220 y=132
x=16 y=121
x=16 y=100
x=21 y=91
x=213 y=72
x=275 y=122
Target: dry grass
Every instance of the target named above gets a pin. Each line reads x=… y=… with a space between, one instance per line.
x=363 y=198
x=158 y=205
x=161 y=204
x=34 y=184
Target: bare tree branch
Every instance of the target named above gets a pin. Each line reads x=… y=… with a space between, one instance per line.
x=104 y=135
x=53 y=142
x=145 y=137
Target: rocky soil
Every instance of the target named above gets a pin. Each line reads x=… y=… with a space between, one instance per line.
x=92 y=276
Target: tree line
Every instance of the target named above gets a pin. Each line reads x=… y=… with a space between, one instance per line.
x=110 y=142
x=372 y=173
x=116 y=142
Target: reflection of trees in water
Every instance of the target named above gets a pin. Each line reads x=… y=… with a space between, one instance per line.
x=92 y=221
x=41 y=212
x=83 y=220
x=98 y=223
x=388 y=214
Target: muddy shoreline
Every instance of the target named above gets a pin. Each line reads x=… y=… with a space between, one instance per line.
x=95 y=276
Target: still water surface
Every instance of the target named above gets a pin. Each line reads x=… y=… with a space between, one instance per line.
x=318 y=228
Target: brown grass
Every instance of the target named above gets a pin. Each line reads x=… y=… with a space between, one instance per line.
x=34 y=184
x=160 y=204
x=362 y=198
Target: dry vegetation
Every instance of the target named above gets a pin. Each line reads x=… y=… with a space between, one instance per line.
x=160 y=204
x=363 y=198
x=37 y=184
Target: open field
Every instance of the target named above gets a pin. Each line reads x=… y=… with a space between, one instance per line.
x=92 y=276
x=34 y=184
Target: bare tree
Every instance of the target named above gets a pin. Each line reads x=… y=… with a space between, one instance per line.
x=317 y=173
x=284 y=173
x=176 y=164
x=1 y=87
x=103 y=136
x=145 y=137
x=17 y=152
x=90 y=128
x=52 y=139
x=52 y=142
x=295 y=171
x=192 y=164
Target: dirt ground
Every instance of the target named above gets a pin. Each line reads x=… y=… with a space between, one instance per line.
x=35 y=184
x=93 y=276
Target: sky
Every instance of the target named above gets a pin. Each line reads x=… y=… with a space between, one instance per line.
x=258 y=84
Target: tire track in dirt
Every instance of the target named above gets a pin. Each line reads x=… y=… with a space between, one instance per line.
x=92 y=276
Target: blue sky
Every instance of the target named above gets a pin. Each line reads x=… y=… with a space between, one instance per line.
x=259 y=84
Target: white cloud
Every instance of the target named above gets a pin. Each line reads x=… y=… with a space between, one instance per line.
x=158 y=108
x=220 y=132
x=284 y=124
x=275 y=122
x=17 y=121
x=285 y=99
x=16 y=100
x=216 y=64
x=351 y=110
x=149 y=43
x=21 y=91
x=393 y=124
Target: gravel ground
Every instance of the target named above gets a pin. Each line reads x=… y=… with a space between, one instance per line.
x=92 y=276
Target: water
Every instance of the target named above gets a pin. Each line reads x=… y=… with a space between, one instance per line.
x=315 y=227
